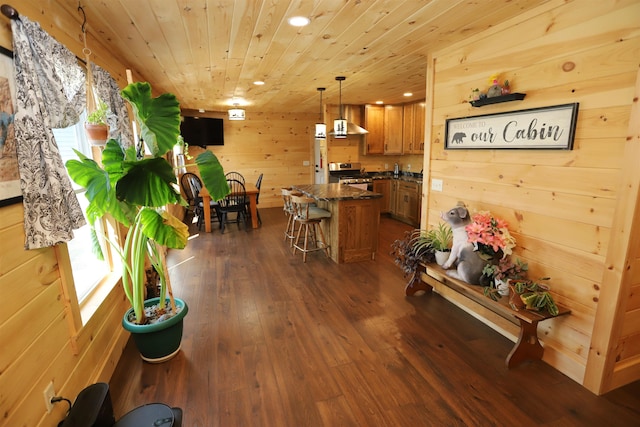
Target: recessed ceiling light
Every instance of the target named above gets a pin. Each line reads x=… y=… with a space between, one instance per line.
x=379 y=102
x=237 y=101
x=201 y=110
x=258 y=83
x=299 y=21
x=408 y=94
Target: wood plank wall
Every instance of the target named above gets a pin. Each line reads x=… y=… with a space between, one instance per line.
x=561 y=205
x=275 y=144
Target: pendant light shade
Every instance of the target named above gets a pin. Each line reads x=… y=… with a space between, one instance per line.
x=321 y=131
x=236 y=113
x=340 y=124
x=321 y=127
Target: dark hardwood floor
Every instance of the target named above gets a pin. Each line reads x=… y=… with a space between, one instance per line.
x=270 y=341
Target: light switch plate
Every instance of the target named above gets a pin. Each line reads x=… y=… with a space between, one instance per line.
x=436 y=184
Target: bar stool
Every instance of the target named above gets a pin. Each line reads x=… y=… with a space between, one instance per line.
x=309 y=217
x=289 y=231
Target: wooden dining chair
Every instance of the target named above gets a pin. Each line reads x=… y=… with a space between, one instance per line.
x=235 y=175
x=235 y=202
x=192 y=185
x=187 y=188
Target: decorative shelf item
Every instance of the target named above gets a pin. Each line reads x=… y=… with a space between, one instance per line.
x=498 y=99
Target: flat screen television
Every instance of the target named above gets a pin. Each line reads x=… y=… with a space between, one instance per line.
x=202 y=131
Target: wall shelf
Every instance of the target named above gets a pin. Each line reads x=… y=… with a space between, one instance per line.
x=498 y=99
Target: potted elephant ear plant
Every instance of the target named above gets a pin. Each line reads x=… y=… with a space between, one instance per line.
x=134 y=191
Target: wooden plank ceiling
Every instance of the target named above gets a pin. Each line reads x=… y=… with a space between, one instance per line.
x=209 y=51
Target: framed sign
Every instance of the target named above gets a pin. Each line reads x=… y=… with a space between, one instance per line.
x=537 y=128
x=9 y=179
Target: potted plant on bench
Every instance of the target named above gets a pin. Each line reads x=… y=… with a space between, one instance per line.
x=134 y=191
x=409 y=252
x=440 y=239
x=532 y=295
x=498 y=274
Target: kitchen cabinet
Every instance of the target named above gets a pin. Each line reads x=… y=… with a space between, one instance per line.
x=413 y=128
x=374 y=123
x=393 y=129
x=406 y=206
x=383 y=186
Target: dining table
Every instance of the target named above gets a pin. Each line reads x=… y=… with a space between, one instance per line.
x=252 y=194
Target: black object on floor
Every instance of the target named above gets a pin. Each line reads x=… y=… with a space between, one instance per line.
x=93 y=408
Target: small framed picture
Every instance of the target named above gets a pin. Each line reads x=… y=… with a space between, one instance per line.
x=9 y=178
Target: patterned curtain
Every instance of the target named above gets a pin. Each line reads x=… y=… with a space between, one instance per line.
x=118 y=118
x=50 y=94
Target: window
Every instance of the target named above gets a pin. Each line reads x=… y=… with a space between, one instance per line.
x=88 y=270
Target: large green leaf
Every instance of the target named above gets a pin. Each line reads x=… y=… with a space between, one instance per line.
x=164 y=228
x=212 y=175
x=100 y=191
x=148 y=182
x=112 y=158
x=159 y=118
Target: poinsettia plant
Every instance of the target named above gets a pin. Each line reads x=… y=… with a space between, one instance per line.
x=490 y=235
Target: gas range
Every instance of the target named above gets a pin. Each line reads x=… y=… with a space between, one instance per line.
x=348 y=173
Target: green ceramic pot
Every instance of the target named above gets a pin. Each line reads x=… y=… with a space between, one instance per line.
x=160 y=341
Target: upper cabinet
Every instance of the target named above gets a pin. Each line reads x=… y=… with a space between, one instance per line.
x=413 y=128
x=393 y=129
x=374 y=123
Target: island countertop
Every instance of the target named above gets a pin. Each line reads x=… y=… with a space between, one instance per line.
x=330 y=192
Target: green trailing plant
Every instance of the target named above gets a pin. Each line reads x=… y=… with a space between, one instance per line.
x=534 y=295
x=99 y=115
x=134 y=191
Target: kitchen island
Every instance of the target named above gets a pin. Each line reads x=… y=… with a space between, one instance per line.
x=352 y=230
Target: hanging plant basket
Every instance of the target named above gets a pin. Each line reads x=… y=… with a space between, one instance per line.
x=97 y=134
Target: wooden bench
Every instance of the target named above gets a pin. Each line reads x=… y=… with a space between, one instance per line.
x=527 y=347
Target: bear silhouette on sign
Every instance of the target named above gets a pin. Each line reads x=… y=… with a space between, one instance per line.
x=458 y=136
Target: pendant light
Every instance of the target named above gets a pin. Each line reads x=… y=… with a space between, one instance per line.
x=340 y=125
x=321 y=127
x=236 y=113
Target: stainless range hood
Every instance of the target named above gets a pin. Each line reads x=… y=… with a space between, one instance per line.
x=349 y=114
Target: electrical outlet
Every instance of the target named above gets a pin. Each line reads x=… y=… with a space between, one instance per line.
x=305 y=163
x=386 y=166
x=49 y=393
x=436 y=184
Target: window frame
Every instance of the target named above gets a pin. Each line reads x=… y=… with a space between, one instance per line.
x=83 y=310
